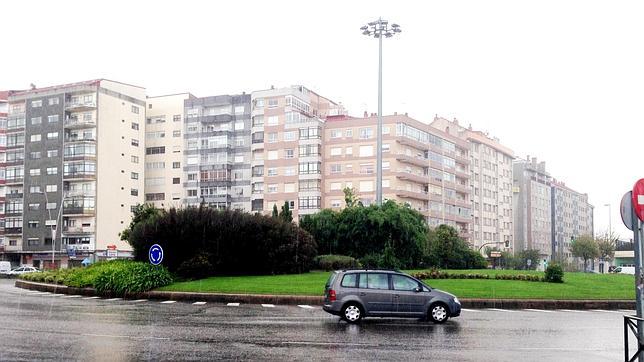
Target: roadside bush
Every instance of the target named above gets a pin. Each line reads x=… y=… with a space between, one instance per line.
x=437 y=274
x=335 y=262
x=198 y=267
x=371 y=261
x=125 y=277
x=554 y=274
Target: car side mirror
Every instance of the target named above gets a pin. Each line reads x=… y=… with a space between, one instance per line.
x=418 y=289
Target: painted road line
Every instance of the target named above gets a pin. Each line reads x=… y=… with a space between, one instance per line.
x=233 y=304
x=73 y=296
x=470 y=310
x=169 y=302
x=92 y=298
x=605 y=311
x=305 y=306
x=198 y=303
x=502 y=310
x=268 y=305
x=539 y=310
x=572 y=310
x=139 y=300
x=112 y=299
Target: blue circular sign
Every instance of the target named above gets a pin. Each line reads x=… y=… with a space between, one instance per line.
x=156 y=254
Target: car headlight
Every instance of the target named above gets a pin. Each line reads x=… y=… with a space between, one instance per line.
x=457 y=301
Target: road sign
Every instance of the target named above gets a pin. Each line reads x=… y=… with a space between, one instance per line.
x=638 y=198
x=625 y=208
x=112 y=253
x=156 y=254
x=111 y=247
x=495 y=254
x=529 y=262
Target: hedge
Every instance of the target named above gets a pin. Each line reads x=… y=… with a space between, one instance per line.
x=437 y=274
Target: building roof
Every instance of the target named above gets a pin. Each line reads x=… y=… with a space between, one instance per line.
x=93 y=82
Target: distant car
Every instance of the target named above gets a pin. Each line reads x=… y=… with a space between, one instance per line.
x=625 y=270
x=354 y=294
x=5 y=267
x=23 y=270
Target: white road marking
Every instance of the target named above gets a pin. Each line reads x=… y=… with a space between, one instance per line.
x=198 y=303
x=112 y=300
x=169 y=302
x=233 y=304
x=73 y=296
x=305 y=306
x=92 y=298
x=502 y=310
x=605 y=311
x=572 y=310
x=139 y=300
x=539 y=310
x=470 y=310
x=268 y=305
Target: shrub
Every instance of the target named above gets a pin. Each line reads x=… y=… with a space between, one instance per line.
x=335 y=262
x=371 y=261
x=126 y=277
x=554 y=274
x=197 y=267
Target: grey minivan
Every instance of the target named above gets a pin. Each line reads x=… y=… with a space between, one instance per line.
x=354 y=294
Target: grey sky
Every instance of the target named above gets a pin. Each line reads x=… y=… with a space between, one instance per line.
x=562 y=81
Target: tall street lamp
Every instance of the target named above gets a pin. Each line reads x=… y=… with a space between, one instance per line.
x=54 y=227
x=610 y=230
x=378 y=29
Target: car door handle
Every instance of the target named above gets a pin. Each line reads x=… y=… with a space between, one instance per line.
x=396 y=296
x=363 y=294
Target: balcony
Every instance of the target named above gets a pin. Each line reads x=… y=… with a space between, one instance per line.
x=76 y=123
x=80 y=175
x=412 y=194
x=13 y=231
x=68 y=230
x=418 y=178
x=76 y=139
x=15 y=181
x=417 y=161
x=78 y=210
x=80 y=106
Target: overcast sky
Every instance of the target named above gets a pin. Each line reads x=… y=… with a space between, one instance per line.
x=559 y=80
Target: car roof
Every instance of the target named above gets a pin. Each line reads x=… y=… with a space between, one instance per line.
x=391 y=271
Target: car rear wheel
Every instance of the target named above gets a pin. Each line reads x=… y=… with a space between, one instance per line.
x=438 y=313
x=352 y=313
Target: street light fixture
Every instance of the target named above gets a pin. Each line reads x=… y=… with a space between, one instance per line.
x=377 y=29
x=54 y=227
x=610 y=231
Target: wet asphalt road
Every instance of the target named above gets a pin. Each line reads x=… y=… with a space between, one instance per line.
x=37 y=326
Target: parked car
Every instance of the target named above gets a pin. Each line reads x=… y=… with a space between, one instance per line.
x=5 y=267
x=23 y=270
x=355 y=294
x=625 y=270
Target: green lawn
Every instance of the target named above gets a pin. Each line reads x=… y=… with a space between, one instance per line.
x=575 y=286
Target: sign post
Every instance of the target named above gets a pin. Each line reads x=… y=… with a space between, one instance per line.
x=632 y=211
x=155 y=254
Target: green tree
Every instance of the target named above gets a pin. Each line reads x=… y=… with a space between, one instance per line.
x=350 y=198
x=584 y=247
x=275 y=213
x=447 y=250
x=286 y=214
x=606 y=243
x=534 y=255
x=141 y=213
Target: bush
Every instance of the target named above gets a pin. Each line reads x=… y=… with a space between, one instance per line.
x=371 y=261
x=335 y=262
x=198 y=267
x=554 y=274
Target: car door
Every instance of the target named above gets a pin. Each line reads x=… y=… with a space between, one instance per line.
x=375 y=294
x=408 y=296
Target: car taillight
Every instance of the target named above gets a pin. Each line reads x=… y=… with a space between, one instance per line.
x=331 y=295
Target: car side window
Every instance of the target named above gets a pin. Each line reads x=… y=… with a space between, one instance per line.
x=349 y=280
x=402 y=282
x=363 y=281
x=377 y=281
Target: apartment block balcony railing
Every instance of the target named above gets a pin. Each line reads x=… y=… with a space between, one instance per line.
x=418 y=161
x=13 y=231
x=80 y=106
x=78 y=210
x=75 y=123
x=80 y=175
x=78 y=230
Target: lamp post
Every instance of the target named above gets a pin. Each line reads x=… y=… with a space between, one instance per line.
x=378 y=29
x=610 y=229
x=54 y=227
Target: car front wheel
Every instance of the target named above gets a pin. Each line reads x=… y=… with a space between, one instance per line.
x=438 y=313
x=352 y=313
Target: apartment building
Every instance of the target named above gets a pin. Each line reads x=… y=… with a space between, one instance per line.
x=572 y=216
x=4 y=110
x=217 y=154
x=164 y=150
x=491 y=185
x=532 y=202
x=286 y=149
x=59 y=140
x=422 y=166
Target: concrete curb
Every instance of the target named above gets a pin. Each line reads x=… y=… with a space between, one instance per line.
x=318 y=300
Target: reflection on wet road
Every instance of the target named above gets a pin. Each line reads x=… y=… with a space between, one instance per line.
x=49 y=326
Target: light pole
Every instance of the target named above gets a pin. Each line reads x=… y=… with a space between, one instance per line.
x=378 y=29
x=610 y=230
x=54 y=227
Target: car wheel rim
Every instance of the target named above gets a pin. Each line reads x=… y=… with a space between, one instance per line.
x=439 y=313
x=352 y=313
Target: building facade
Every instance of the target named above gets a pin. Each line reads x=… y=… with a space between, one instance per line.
x=532 y=207
x=164 y=150
x=4 y=244
x=59 y=140
x=572 y=216
x=491 y=186
x=217 y=139
x=286 y=149
x=423 y=167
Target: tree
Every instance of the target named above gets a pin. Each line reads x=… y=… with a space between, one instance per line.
x=606 y=242
x=286 y=214
x=275 y=213
x=584 y=247
x=350 y=197
x=447 y=250
x=141 y=213
x=529 y=254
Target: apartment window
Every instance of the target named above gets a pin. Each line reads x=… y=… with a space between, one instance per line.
x=385 y=165
x=309 y=133
x=134 y=142
x=36 y=104
x=33 y=207
x=52 y=170
x=53 y=101
x=309 y=150
x=134 y=192
x=192 y=177
x=239 y=159
x=272 y=121
x=134 y=159
x=155 y=165
x=239 y=126
x=259 y=103
x=366 y=151
x=87 y=116
x=310 y=185
x=32 y=155
x=159 y=196
x=336 y=133
x=13 y=242
x=309 y=167
x=272 y=137
x=385 y=130
x=366 y=133
x=289 y=136
x=52 y=153
x=52 y=135
x=336 y=186
x=176 y=164
x=192 y=193
x=135 y=109
x=272 y=188
x=134 y=176
x=135 y=126
x=348 y=151
x=272 y=155
x=289 y=171
x=258 y=171
x=335 y=203
x=289 y=153
x=36 y=120
x=312 y=202
x=348 y=133
x=271 y=171
x=336 y=151
x=385 y=183
x=34 y=172
x=336 y=168
x=289 y=187
x=33 y=241
x=52 y=118
x=176 y=118
x=51 y=188
x=272 y=103
x=34 y=138
x=176 y=180
x=385 y=147
x=176 y=133
x=155 y=150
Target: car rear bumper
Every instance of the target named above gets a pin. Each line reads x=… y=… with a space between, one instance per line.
x=329 y=308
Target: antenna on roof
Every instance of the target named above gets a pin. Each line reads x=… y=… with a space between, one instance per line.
x=32 y=86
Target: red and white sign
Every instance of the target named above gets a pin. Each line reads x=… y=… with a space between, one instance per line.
x=111 y=247
x=638 y=199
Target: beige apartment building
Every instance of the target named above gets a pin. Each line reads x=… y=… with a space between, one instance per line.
x=491 y=185
x=286 y=149
x=572 y=216
x=54 y=159
x=164 y=150
x=423 y=167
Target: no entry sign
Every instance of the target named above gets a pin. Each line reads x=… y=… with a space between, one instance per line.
x=638 y=199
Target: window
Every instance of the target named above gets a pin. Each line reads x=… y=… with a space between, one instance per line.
x=51 y=188
x=176 y=118
x=349 y=280
x=32 y=224
x=272 y=121
x=374 y=281
x=272 y=137
x=366 y=186
x=52 y=153
x=36 y=120
x=36 y=104
x=176 y=164
x=272 y=171
x=401 y=282
x=336 y=168
x=34 y=155
x=239 y=125
x=192 y=193
x=176 y=180
x=159 y=196
x=289 y=153
x=336 y=133
x=349 y=151
x=52 y=135
x=309 y=167
x=134 y=192
x=289 y=136
x=52 y=118
x=385 y=147
x=289 y=171
x=289 y=187
x=33 y=241
x=336 y=203
x=176 y=133
x=155 y=150
x=52 y=170
x=272 y=155
x=134 y=142
x=309 y=133
x=336 y=151
x=51 y=206
x=53 y=101
x=134 y=176
x=259 y=103
x=272 y=188
x=336 y=186
x=348 y=133
x=311 y=202
x=272 y=103
x=134 y=159
x=366 y=151
x=34 y=138
x=385 y=183
x=34 y=172
x=135 y=109
x=135 y=126
x=34 y=207
x=366 y=133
